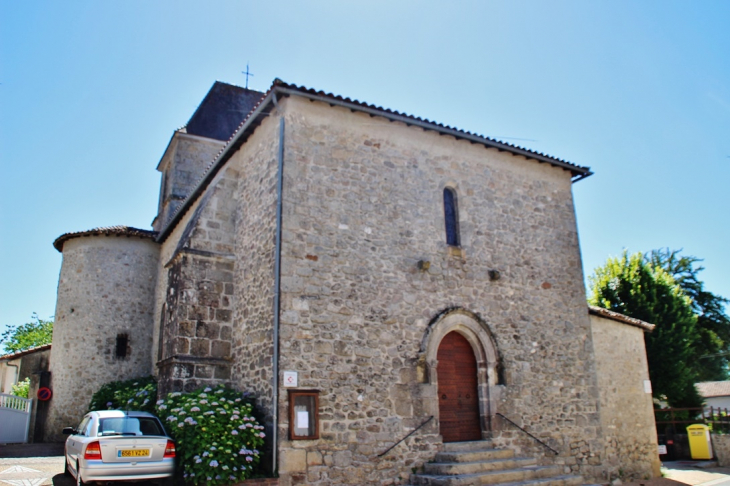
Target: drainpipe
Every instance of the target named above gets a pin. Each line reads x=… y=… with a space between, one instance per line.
x=277 y=286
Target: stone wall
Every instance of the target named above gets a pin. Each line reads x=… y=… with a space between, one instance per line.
x=721 y=448
x=363 y=204
x=253 y=341
x=105 y=290
x=627 y=411
x=196 y=314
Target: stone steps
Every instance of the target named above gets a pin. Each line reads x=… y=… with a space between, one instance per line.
x=477 y=462
x=475 y=455
x=442 y=468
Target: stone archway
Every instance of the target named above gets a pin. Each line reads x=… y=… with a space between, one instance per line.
x=462 y=329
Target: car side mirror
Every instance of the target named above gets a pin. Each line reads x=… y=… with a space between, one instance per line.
x=68 y=430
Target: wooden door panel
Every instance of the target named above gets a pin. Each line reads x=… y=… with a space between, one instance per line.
x=458 y=394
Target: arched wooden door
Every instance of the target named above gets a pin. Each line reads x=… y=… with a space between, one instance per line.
x=457 y=385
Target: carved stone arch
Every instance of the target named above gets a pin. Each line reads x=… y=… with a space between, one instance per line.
x=477 y=333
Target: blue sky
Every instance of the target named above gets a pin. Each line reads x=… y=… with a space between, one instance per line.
x=91 y=91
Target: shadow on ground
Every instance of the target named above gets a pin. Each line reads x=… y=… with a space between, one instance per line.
x=31 y=450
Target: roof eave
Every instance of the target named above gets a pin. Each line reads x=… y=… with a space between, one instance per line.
x=576 y=172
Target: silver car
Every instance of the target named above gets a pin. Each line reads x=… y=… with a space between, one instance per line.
x=113 y=445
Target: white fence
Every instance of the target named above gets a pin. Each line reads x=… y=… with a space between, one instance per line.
x=14 y=418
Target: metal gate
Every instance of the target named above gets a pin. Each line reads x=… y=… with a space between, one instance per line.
x=14 y=418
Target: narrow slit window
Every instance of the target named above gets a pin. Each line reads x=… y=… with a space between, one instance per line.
x=122 y=342
x=161 y=333
x=451 y=216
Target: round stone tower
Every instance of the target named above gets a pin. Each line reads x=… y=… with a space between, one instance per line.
x=104 y=317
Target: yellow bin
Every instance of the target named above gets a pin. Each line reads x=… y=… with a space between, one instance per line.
x=700 y=446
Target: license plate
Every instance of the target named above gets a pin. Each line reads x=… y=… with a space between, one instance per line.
x=133 y=453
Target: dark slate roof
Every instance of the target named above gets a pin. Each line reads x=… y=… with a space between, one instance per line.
x=20 y=354
x=615 y=316
x=709 y=389
x=222 y=110
x=280 y=89
x=127 y=231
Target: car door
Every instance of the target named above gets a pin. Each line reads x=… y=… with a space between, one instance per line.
x=76 y=441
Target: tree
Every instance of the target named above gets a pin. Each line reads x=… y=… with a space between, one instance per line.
x=37 y=332
x=635 y=287
x=712 y=356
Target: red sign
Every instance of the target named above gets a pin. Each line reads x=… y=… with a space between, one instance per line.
x=44 y=394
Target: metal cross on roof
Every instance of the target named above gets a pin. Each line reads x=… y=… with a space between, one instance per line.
x=247 y=73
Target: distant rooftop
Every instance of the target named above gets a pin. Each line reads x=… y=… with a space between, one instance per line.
x=222 y=110
x=709 y=389
x=20 y=354
x=615 y=316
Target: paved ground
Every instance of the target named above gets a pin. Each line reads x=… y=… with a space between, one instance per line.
x=42 y=464
x=35 y=465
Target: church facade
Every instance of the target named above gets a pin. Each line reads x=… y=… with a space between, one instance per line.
x=372 y=278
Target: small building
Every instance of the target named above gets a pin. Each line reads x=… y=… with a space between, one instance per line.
x=30 y=364
x=18 y=366
x=716 y=394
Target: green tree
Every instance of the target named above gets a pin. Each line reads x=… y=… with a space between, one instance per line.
x=712 y=355
x=634 y=287
x=37 y=332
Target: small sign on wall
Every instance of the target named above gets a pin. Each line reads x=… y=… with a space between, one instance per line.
x=647 y=386
x=662 y=449
x=291 y=379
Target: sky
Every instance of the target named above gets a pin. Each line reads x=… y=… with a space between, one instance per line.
x=91 y=92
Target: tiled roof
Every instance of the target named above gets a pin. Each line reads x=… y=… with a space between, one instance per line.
x=279 y=87
x=108 y=231
x=20 y=354
x=615 y=316
x=709 y=389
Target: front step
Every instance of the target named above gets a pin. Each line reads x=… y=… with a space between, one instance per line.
x=475 y=455
x=476 y=462
x=443 y=468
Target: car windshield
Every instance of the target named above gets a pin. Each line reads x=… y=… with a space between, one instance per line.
x=130 y=426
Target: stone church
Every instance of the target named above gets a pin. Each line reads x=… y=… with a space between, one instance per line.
x=404 y=299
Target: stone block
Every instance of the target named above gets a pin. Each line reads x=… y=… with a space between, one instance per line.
x=314 y=458
x=292 y=460
x=220 y=349
x=203 y=371
x=186 y=328
x=222 y=372
x=342 y=458
x=199 y=347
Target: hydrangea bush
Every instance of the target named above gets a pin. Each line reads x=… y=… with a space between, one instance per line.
x=216 y=436
x=21 y=388
x=136 y=394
